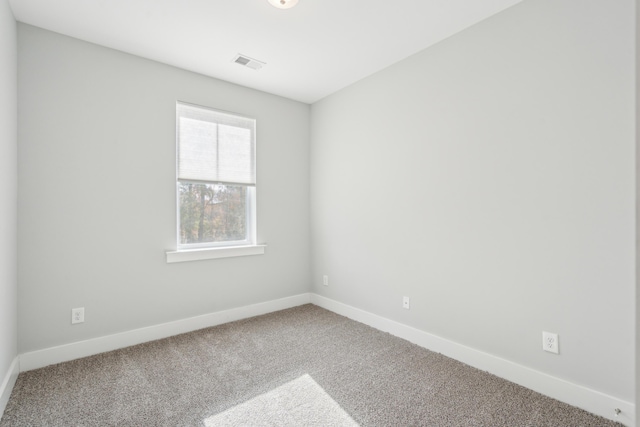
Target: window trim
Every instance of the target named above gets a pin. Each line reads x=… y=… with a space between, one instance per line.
x=213 y=250
x=185 y=255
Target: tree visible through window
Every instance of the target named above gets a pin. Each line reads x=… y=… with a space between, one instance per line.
x=216 y=178
x=212 y=213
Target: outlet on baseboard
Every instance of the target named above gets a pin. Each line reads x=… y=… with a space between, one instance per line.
x=77 y=315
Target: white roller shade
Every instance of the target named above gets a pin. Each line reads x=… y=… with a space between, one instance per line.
x=215 y=147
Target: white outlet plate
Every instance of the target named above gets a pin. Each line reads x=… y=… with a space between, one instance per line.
x=550 y=342
x=77 y=315
x=405 y=303
x=325 y=280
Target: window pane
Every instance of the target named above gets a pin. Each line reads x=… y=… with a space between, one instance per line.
x=198 y=150
x=215 y=146
x=212 y=213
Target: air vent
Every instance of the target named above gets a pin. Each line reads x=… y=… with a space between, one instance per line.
x=254 y=64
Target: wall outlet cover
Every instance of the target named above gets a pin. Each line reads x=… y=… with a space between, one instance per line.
x=550 y=342
x=77 y=315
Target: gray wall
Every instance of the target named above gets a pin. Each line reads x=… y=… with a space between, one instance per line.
x=97 y=194
x=8 y=189
x=491 y=179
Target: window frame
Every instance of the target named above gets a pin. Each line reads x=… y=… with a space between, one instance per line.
x=216 y=249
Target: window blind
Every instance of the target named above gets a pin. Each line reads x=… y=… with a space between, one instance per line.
x=215 y=147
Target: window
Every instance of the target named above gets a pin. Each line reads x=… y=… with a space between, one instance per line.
x=216 y=179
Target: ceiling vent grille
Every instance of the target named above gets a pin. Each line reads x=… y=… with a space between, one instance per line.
x=254 y=64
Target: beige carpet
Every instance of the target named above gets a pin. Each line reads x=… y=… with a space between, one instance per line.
x=302 y=366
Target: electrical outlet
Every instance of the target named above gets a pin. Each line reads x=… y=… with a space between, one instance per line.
x=405 y=303
x=325 y=280
x=77 y=315
x=550 y=342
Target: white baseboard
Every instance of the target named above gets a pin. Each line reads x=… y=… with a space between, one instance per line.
x=7 y=383
x=564 y=391
x=573 y=394
x=76 y=350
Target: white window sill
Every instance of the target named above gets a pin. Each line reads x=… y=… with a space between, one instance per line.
x=213 y=253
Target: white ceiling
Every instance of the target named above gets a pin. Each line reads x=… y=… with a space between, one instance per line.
x=311 y=50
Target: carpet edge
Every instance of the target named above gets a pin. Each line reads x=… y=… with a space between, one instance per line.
x=573 y=394
x=76 y=350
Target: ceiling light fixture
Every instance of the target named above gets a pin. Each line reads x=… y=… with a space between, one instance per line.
x=283 y=4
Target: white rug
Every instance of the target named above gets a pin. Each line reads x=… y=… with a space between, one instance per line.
x=301 y=402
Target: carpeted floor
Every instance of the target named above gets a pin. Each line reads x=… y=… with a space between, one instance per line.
x=262 y=368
